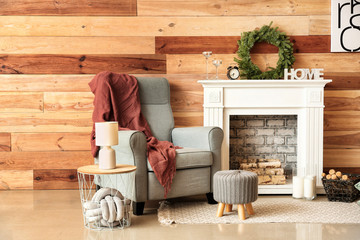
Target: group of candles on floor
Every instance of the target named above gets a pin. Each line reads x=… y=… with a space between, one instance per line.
x=305 y=187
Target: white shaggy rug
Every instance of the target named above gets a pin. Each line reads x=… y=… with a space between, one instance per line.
x=267 y=210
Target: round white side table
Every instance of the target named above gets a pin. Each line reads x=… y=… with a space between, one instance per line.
x=110 y=206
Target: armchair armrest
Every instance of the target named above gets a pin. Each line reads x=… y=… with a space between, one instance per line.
x=209 y=138
x=131 y=150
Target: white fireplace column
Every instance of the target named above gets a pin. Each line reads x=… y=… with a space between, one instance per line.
x=304 y=98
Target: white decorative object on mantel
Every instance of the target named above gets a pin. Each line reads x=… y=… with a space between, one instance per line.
x=345 y=25
x=304 y=98
x=305 y=74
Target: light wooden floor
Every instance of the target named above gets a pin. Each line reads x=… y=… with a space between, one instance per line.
x=56 y=215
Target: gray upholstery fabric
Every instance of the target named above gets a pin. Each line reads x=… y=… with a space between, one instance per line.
x=192 y=177
x=154 y=91
x=186 y=182
x=209 y=138
x=191 y=158
x=235 y=187
x=155 y=106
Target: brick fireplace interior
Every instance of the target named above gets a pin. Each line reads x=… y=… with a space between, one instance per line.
x=263 y=137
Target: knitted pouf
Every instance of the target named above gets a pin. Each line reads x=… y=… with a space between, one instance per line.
x=235 y=187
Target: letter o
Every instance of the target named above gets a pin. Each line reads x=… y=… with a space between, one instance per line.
x=302 y=76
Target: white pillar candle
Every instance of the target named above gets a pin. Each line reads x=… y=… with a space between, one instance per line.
x=309 y=187
x=298 y=187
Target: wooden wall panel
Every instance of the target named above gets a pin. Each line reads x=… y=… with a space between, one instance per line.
x=16 y=179
x=81 y=64
x=68 y=101
x=44 y=83
x=342 y=139
x=347 y=158
x=77 y=45
x=342 y=120
x=46 y=122
x=185 y=82
x=186 y=119
x=187 y=101
x=342 y=100
x=147 y=26
x=44 y=160
x=79 y=83
x=228 y=45
x=55 y=179
x=343 y=80
x=45 y=142
x=21 y=102
x=231 y=7
x=68 y=7
x=5 y=142
x=194 y=63
x=320 y=25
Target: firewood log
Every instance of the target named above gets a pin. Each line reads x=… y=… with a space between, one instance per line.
x=345 y=177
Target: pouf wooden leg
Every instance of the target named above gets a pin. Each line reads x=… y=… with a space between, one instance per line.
x=249 y=209
x=228 y=208
x=241 y=211
x=220 y=210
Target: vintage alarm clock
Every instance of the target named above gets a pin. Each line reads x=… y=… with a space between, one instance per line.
x=233 y=72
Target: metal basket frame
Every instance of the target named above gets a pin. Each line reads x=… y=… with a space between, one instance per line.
x=88 y=184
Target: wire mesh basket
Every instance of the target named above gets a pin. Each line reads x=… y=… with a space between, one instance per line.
x=110 y=206
x=342 y=190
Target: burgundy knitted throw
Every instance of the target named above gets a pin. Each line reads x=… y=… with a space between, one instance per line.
x=117 y=99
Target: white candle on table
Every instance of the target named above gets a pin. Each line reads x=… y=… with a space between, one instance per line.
x=309 y=187
x=298 y=187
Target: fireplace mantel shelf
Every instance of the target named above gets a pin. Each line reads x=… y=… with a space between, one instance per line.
x=304 y=98
x=264 y=83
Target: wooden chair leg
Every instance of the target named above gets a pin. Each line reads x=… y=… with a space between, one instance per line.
x=220 y=209
x=228 y=208
x=249 y=209
x=241 y=211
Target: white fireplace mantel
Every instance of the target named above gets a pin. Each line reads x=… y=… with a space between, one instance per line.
x=304 y=98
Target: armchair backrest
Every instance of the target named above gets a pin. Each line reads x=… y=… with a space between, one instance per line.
x=155 y=106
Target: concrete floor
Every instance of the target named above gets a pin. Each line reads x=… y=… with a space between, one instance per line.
x=56 y=214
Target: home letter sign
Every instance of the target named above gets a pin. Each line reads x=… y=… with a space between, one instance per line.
x=304 y=74
x=345 y=25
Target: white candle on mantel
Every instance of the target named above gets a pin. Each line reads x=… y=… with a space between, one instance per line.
x=298 y=187
x=309 y=187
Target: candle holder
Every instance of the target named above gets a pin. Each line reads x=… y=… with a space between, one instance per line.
x=207 y=54
x=217 y=63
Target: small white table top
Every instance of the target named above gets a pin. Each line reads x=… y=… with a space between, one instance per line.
x=94 y=169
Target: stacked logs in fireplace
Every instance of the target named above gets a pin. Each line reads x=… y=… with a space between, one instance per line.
x=269 y=171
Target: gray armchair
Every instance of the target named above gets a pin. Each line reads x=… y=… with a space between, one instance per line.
x=196 y=162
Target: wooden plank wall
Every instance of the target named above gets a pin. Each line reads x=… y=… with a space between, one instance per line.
x=49 y=51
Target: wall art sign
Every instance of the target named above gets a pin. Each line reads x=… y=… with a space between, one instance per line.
x=345 y=25
x=304 y=74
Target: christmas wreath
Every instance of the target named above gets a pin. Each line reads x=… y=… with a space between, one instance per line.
x=272 y=36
